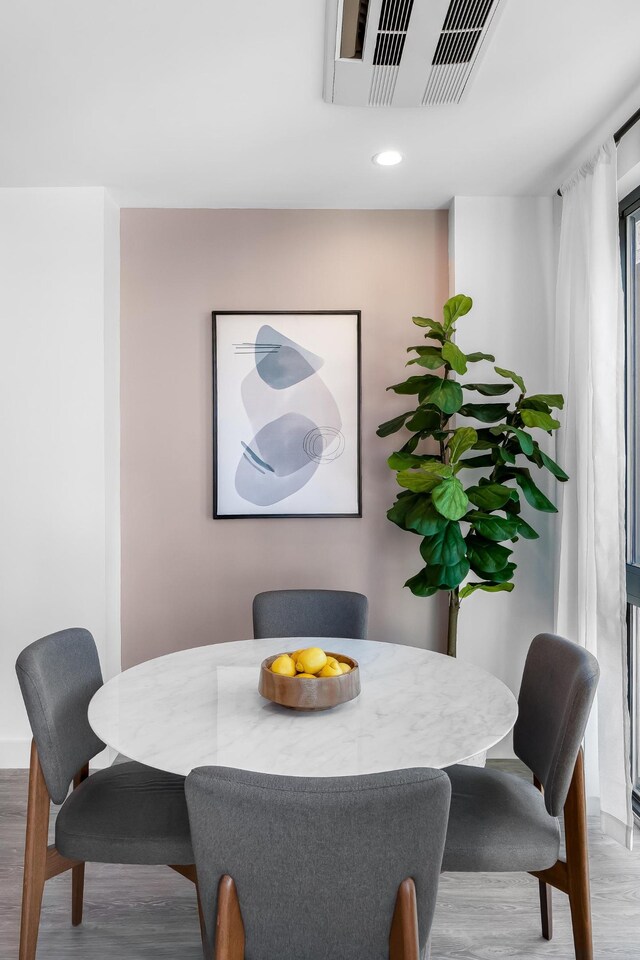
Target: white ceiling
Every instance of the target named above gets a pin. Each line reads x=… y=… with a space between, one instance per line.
x=211 y=103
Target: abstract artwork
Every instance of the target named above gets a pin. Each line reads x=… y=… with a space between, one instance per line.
x=286 y=417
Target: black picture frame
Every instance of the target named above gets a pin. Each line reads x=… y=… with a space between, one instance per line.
x=217 y=515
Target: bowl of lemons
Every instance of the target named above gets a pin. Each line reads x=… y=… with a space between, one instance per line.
x=309 y=679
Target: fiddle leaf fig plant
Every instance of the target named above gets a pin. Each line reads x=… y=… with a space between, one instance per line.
x=466 y=526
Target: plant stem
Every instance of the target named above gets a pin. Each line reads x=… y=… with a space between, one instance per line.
x=452 y=630
x=443 y=420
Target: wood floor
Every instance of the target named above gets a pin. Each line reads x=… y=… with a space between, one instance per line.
x=149 y=913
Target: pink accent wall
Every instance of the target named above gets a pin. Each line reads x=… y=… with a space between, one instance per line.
x=188 y=579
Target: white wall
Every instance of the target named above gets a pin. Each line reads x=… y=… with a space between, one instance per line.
x=503 y=255
x=59 y=540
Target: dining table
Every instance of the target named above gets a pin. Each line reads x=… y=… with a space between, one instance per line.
x=201 y=707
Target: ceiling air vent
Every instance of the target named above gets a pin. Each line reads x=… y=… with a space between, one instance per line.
x=387 y=55
x=404 y=53
x=463 y=33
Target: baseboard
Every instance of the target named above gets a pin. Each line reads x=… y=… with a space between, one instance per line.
x=15 y=755
x=593 y=806
x=616 y=829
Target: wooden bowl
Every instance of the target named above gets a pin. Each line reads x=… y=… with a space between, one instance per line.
x=318 y=694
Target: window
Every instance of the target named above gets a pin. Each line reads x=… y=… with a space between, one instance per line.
x=630 y=247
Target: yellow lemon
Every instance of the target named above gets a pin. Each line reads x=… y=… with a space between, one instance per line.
x=311 y=660
x=331 y=670
x=332 y=660
x=294 y=656
x=344 y=668
x=305 y=676
x=284 y=665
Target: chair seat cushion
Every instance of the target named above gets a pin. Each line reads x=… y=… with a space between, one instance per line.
x=497 y=821
x=128 y=813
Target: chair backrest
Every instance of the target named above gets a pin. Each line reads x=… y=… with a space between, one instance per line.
x=317 y=862
x=558 y=686
x=58 y=675
x=310 y=613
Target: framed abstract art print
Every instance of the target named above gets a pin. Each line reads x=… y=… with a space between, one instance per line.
x=286 y=414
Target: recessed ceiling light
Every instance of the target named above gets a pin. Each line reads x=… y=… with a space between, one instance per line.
x=388 y=158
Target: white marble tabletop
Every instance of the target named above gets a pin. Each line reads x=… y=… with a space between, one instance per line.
x=201 y=706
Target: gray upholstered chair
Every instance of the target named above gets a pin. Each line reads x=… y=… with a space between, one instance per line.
x=500 y=822
x=310 y=613
x=338 y=868
x=128 y=813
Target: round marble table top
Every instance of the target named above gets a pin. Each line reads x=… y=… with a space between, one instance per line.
x=202 y=707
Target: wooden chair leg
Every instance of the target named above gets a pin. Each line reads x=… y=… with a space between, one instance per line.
x=77 y=892
x=189 y=872
x=203 y=929
x=35 y=858
x=77 y=873
x=575 y=825
x=572 y=876
x=404 y=943
x=229 y=926
x=546 y=908
x=546 y=914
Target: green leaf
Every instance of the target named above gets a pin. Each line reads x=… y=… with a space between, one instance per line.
x=490 y=496
x=430 y=357
x=475 y=357
x=404 y=461
x=462 y=439
x=426 y=478
x=417 y=482
x=551 y=399
x=493 y=528
x=433 y=325
x=484 y=460
x=506 y=455
x=500 y=576
x=552 y=466
x=397 y=513
x=431 y=363
x=452 y=576
x=525 y=530
x=446 y=547
x=487 y=438
x=455 y=308
x=489 y=389
x=424 y=419
x=514 y=506
x=510 y=375
x=533 y=403
x=420 y=585
x=486 y=412
x=410 y=445
x=487 y=556
x=412 y=385
x=422 y=517
x=470 y=588
x=532 y=494
x=392 y=426
x=437 y=577
x=444 y=394
x=454 y=357
x=525 y=441
x=534 y=418
x=449 y=498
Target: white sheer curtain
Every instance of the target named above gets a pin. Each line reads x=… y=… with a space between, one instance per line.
x=590 y=597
